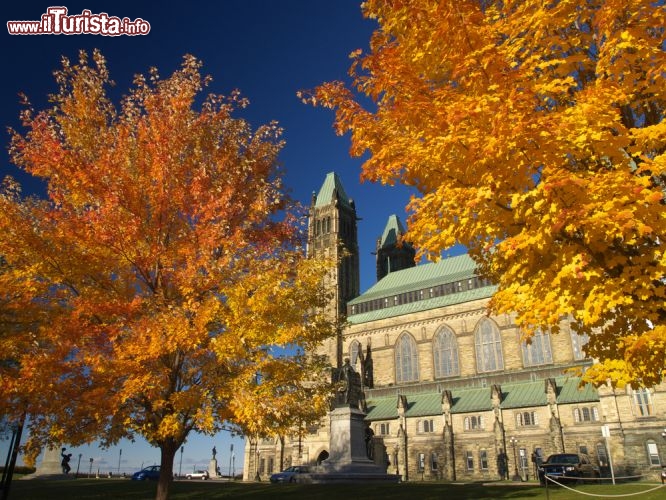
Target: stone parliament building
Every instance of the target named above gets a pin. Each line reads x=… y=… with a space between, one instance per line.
x=452 y=393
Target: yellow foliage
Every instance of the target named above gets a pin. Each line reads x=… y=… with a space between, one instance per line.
x=535 y=134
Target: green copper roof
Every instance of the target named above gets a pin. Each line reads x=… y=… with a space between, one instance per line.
x=331 y=185
x=523 y=394
x=382 y=408
x=570 y=392
x=469 y=400
x=418 y=405
x=419 y=277
x=421 y=405
x=392 y=232
x=422 y=277
x=514 y=395
x=420 y=305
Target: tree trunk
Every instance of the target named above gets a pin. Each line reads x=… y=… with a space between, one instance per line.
x=168 y=451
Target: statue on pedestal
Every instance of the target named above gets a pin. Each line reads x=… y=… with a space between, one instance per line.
x=350 y=392
x=212 y=466
x=351 y=440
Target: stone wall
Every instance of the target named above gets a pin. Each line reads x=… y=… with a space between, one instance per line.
x=557 y=428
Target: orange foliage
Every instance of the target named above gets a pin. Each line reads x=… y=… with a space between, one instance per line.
x=153 y=284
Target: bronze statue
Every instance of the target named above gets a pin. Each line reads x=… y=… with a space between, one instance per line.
x=350 y=392
x=347 y=375
x=369 y=443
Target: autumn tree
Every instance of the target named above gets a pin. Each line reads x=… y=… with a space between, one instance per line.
x=273 y=404
x=534 y=133
x=163 y=271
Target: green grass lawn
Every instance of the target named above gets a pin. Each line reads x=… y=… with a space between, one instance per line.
x=84 y=489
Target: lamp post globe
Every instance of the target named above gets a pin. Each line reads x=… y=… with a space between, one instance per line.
x=514 y=441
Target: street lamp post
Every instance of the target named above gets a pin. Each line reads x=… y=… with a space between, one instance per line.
x=605 y=432
x=120 y=454
x=90 y=471
x=231 y=453
x=514 y=441
x=78 y=465
x=180 y=467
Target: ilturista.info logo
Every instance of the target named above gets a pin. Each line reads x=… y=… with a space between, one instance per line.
x=57 y=21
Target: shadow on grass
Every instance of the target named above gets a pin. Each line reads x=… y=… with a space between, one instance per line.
x=89 y=489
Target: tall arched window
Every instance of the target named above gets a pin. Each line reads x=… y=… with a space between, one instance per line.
x=353 y=353
x=653 y=453
x=537 y=351
x=473 y=423
x=642 y=403
x=586 y=414
x=488 y=346
x=406 y=359
x=445 y=353
x=578 y=342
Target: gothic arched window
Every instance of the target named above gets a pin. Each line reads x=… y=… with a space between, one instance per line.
x=406 y=359
x=537 y=351
x=653 y=453
x=354 y=349
x=642 y=403
x=578 y=342
x=445 y=353
x=488 y=346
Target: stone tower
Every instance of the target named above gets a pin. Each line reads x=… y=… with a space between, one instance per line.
x=332 y=233
x=392 y=254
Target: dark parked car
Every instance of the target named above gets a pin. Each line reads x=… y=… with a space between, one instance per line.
x=289 y=475
x=567 y=467
x=151 y=473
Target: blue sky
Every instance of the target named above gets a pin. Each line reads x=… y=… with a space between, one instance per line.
x=268 y=49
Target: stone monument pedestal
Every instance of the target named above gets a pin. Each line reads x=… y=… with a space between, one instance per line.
x=348 y=461
x=49 y=467
x=212 y=467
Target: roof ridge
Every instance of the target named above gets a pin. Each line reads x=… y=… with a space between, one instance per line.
x=459 y=265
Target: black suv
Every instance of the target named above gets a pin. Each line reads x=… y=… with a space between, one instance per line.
x=567 y=467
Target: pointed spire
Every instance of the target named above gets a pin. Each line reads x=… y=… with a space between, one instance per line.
x=331 y=191
x=392 y=253
x=392 y=232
